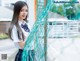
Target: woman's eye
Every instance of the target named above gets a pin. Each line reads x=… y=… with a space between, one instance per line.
x=26 y=10
x=21 y=10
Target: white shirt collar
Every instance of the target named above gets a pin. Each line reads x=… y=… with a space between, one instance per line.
x=21 y=22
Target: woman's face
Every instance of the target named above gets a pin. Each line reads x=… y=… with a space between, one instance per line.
x=23 y=13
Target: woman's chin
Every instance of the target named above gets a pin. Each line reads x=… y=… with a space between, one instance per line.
x=24 y=18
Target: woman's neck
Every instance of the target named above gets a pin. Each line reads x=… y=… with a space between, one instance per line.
x=21 y=20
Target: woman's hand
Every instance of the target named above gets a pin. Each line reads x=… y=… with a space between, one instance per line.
x=21 y=44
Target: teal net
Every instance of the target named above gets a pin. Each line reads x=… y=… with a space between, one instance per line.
x=38 y=48
x=37 y=32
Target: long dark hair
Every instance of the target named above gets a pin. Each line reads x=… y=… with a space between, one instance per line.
x=17 y=7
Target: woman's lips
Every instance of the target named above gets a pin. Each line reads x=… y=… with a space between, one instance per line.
x=23 y=15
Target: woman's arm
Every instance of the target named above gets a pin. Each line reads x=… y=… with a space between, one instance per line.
x=21 y=43
x=15 y=37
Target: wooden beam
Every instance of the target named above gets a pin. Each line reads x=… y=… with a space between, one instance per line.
x=35 y=7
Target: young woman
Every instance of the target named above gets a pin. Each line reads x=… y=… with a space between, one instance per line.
x=19 y=29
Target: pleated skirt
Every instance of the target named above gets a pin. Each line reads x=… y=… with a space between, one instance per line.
x=30 y=57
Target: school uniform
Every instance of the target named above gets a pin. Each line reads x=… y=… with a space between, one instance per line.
x=26 y=30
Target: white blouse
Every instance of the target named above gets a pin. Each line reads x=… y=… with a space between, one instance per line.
x=15 y=36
